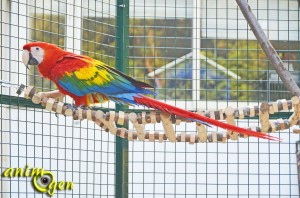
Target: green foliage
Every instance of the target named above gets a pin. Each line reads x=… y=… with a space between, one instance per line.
x=244 y=58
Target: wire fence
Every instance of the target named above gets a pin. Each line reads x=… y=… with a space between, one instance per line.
x=197 y=54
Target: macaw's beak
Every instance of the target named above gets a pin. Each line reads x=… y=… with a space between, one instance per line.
x=28 y=59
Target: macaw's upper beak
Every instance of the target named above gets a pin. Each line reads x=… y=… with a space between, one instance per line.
x=28 y=59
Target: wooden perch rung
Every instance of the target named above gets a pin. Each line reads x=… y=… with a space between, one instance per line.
x=111 y=126
x=49 y=104
x=153 y=117
x=139 y=128
x=296 y=115
x=202 y=134
x=107 y=120
x=241 y=113
x=264 y=117
x=121 y=118
x=230 y=120
x=167 y=124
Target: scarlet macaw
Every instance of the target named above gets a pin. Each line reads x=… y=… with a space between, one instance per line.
x=90 y=81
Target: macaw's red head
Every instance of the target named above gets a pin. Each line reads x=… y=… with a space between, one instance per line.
x=41 y=54
x=37 y=53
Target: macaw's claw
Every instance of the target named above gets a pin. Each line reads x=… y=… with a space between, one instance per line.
x=84 y=107
x=73 y=107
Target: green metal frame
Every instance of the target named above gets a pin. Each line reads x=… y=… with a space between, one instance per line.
x=122 y=61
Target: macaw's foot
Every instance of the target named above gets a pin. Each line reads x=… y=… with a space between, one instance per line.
x=73 y=107
x=84 y=107
x=56 y=94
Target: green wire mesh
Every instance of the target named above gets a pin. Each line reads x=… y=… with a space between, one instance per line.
x=197 y=55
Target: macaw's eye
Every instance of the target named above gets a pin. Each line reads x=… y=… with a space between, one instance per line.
x=37 y=48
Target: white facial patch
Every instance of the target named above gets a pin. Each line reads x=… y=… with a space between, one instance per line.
x=37 y=53
x=25 y=57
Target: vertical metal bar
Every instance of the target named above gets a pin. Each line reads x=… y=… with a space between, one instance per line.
x=122 y=54
x=196 y=45
x=4 y=112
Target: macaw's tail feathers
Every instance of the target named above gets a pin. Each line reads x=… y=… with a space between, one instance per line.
x=155 y=104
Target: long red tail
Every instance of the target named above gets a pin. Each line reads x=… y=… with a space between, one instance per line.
x=155 y=104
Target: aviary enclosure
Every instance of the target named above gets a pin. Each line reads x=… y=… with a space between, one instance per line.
x=198 y=55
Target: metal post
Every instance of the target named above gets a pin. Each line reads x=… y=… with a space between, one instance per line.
x=196 y=51
x=122 y=54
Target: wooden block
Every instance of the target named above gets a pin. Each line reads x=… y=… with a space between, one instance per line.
x=111 y=125
x=139 y=128
x=80 y=115
x=221 y=112
x=214 y=136
x=68 y=112
x=122 y=134
x=89 y=114
x=112 y=115
x=153 y=117
x=160 y=137
x=295 y=100
x=104 y=127
x=144 y=117
x=112 y=129
x=167 y=124
x=234 y=136
x=241 y=113
x=273 y=127
x=121 y=118
x=229 y=111
x=271 y=109
x=98 y=122
x=212 y=114
x=293 y=119
x=27 y=92
x=252 y=111
x=151 y=136
x=59 y=107
x=284 y=104
x=49 y=104
x=178 y=121
x=230 y=120
x=264 y=117
x=99 y=115
x=275 y=107
x=296 y=131
x=20 y=89
x=224 y=138
x=182 y=137
x=130 y=136
x=281 y=124
x=36 y=99
x=202 y=134
x=192 y=138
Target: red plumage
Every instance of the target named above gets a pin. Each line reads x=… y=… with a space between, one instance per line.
x=155 y=104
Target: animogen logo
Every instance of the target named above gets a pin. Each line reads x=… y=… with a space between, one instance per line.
x=42 y=180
